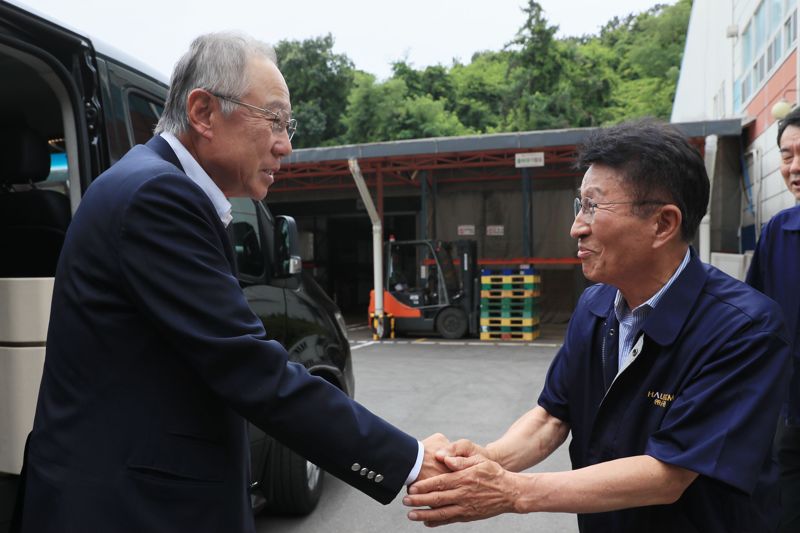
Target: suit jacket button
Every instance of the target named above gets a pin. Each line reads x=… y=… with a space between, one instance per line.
x=356 y=467
x=378 y=478
x=371 y=474
x=363 y=471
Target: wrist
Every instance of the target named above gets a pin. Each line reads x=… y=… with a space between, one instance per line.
x=492 y=453
x=524 y=499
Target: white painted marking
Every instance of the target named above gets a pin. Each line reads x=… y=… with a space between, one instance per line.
x=363 y=345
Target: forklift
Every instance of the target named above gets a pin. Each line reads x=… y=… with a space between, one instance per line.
x=431 y=287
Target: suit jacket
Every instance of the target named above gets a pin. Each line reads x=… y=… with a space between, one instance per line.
x=154 y=361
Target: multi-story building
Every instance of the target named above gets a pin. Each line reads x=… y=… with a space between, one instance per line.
x=741 y=61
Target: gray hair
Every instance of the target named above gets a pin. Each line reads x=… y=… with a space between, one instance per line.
x=216 y=62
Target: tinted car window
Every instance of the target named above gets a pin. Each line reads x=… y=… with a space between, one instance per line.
x=247 y=238
x=144 y=115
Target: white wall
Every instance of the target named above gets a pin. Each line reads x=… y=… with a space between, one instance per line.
x=704 y=85
x=711 y=63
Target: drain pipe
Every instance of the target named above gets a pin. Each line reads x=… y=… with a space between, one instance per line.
x=377 y=243
x=705 y=223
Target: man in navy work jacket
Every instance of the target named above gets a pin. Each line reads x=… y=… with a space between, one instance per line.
x=774 y=271
x=670 y=377
x=154 y=359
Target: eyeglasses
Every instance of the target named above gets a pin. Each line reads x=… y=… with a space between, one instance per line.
x=584 y=206
x=279 y=125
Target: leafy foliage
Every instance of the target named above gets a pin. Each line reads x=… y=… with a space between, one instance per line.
x=320 y=82
x=538 y=81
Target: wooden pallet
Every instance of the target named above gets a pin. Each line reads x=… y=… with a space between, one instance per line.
x=508 y=336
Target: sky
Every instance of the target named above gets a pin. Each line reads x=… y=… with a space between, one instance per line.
x=372 y=33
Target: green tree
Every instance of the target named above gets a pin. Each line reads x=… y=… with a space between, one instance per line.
x=648 y=48
x=320 y=82
x=534 y=69
x=630 y=69
x=387 y=111
x=482 y=94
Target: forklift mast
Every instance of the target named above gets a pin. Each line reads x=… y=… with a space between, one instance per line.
x=470 y=282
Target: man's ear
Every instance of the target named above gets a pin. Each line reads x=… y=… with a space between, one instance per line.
x=668 y=224
x=200 y=108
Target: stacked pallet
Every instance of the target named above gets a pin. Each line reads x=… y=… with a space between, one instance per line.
x=510 y=304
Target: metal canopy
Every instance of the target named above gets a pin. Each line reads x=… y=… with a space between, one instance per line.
x=478 y=158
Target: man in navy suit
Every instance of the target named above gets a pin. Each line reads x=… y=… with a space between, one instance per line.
x=154 y=359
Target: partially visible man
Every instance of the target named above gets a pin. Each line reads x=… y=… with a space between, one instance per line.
x=774 y=271
x=669 y=378
x=154 y=358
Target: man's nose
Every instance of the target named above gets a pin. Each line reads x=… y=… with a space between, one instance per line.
x=282 y=146
x=579 y=227
x=794 y=166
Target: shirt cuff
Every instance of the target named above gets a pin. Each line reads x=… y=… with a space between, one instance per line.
x=414 y=474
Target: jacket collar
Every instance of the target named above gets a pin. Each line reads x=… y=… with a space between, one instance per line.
x=164 y=150
x=792 y=220
x=666 y=319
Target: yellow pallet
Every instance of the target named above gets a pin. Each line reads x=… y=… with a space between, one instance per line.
x=511 y=279
x=508 y=336
x=510 y=293
x=500 y=321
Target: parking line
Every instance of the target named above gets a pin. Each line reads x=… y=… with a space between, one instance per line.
x=362 y=345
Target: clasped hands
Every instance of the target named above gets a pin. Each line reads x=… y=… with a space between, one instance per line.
x=459 y=482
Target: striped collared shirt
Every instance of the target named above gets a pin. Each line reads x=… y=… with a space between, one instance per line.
x=630 y=321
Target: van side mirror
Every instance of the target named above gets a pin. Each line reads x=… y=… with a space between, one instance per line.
x=287 y=247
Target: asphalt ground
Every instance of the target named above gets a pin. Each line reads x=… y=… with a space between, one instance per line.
x=464 y=389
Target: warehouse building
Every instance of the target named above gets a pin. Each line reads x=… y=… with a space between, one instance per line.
x=512 y=193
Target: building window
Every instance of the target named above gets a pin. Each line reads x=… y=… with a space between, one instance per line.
x=774 y=52
x=760 y=22
x=745 y=89
x=790 y=31
x=775 y=15
x=747 y=46
x=768 y=37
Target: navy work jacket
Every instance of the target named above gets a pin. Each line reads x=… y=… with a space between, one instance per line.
x=774 y=271
x=703 y=394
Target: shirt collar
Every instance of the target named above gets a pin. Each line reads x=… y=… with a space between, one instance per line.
x=196 y=173
x=621 y=306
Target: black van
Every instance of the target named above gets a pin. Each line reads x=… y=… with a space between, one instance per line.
x=69 y=108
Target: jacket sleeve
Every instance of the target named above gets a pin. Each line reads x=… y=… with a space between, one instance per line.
x=171 y=254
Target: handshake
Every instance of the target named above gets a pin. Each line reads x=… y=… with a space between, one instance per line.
x=460 y=482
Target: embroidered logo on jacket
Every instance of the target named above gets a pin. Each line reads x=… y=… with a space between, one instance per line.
x=660 y=399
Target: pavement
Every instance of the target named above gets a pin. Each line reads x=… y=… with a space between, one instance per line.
x=464 y=389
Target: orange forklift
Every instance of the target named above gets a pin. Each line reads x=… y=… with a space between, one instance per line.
x=431 y=287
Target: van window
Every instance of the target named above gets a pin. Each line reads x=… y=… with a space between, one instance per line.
x=59 y=170
x=247 y=238
x=144 y=114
